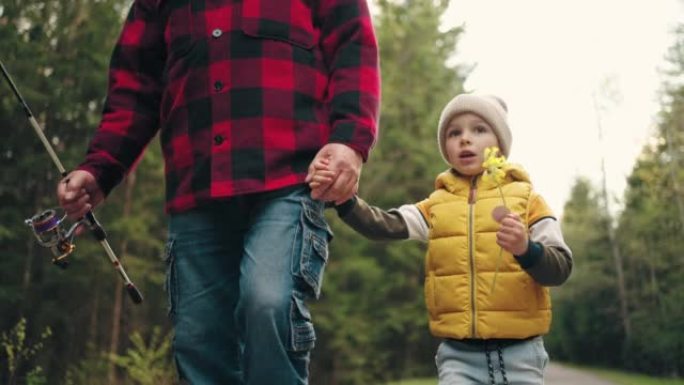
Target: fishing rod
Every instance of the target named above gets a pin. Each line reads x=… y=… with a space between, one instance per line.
x=48 y=226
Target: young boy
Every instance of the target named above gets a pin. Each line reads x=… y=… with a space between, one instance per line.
x=486 y=276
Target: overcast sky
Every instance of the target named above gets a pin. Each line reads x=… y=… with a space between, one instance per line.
x=546 y=58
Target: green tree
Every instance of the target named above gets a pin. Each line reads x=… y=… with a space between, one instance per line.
x=148 y=363
x=651 y=231
x=17 y=351
x=58 y=54
x=586 y=314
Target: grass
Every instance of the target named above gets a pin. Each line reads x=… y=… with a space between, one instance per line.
x=417 y=381
x=620 y=378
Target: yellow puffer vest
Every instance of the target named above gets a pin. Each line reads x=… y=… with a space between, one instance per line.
x=462 y=256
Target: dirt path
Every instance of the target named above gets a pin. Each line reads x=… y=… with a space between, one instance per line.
x=557 y=374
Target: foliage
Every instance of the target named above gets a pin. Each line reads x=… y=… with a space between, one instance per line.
x=17 y=351
x=36 y=377
x=89 y=370
x=148 y=363
x=649 y=234
x=58 y=52
x=586 y=305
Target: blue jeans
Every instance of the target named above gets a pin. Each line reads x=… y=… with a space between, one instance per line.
x=459 y=363
x=238 y=274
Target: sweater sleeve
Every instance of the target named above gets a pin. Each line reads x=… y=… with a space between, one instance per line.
x=548 y=259
x=405 y=222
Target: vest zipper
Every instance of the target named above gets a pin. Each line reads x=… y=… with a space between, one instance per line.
x=471 y=247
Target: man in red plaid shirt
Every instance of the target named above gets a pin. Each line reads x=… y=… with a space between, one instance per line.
x=245 y=94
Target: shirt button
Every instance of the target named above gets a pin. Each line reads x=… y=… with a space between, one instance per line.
x=218 y=139
x=216 y=33
x=218 y=86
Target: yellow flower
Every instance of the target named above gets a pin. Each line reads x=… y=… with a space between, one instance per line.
x=494 y=165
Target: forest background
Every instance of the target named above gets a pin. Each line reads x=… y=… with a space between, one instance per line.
x=622 y=307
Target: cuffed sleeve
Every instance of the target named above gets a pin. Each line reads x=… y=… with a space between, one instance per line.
x=350 y=50
x=130 y=117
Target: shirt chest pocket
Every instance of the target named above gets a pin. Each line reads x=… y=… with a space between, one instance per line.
x=285 y=20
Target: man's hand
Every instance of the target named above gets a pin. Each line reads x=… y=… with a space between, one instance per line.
x=512 y=235
x=346 y=164
x=77 y=193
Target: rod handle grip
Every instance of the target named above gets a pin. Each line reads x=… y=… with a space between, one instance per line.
x=134 y=293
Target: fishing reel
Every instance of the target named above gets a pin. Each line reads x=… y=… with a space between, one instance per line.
x=51 y=232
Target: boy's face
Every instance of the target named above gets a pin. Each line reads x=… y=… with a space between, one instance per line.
x=467 y=136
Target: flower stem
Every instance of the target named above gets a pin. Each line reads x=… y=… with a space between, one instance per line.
x=496 y=271
x=498 y=259
x=503 y=199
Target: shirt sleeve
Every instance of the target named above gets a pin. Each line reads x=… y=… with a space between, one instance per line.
x=405 y=222
x=130 y=117
x=350 y=50
x=548 y=259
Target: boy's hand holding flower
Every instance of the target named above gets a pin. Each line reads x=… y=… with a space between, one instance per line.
x=508 y=237
x=512 y=234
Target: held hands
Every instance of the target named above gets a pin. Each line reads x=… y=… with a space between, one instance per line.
x=77 y=193
x=334 y=173
x=512 y=235
x=322 y=176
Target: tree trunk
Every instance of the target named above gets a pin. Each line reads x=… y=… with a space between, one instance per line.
x=335 y=368
x=622 y=290
x=119 y=287
x=26 y=278
x=653 y=279
x=617 y=261
x=614 y=248
x=94 y=312
x=674 y=166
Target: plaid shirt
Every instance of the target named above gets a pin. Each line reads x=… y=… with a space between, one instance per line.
x=243 y=92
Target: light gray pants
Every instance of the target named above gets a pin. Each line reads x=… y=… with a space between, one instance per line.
x=462 y=363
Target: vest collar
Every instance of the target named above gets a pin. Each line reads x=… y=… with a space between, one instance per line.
x=456 y=183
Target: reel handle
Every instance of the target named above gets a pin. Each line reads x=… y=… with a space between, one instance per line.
x=95 y=227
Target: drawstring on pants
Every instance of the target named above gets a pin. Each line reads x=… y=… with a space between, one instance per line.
x=490 y=366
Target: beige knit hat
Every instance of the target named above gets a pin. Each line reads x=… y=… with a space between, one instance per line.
x=489 y=107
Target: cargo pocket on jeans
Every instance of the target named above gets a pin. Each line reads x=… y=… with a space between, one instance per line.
x=170 y=283
x=314 y=247
x=302 y=333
